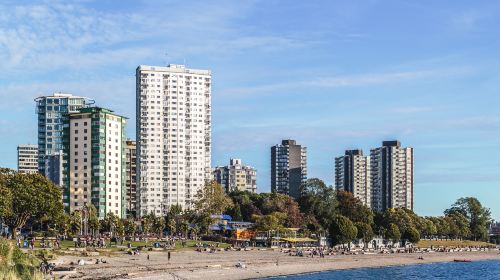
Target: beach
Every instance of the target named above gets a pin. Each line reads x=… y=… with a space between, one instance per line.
x=254 y=264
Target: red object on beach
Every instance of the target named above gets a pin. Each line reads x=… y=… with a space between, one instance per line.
x=462 y=260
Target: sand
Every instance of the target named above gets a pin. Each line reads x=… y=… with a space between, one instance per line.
x=222 y=265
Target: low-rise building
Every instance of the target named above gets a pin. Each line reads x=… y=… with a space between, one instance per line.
x=27 y=159
x=236 y=176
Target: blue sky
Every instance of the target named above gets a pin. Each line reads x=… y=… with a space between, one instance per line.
x=333 y=75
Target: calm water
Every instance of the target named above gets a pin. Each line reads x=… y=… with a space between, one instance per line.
x=475 y=270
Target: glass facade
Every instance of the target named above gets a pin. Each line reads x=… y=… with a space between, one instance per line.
x=52 y=112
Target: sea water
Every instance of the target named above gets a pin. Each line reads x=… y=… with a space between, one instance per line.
x=483 y=270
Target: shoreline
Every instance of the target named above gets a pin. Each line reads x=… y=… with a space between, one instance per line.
x=258 y=264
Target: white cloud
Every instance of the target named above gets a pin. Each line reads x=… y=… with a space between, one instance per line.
x=346 y=81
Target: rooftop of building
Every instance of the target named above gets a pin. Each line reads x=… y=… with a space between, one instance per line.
x=173 y=68
x=27 y=146
x=96 y=109
x=62 y=95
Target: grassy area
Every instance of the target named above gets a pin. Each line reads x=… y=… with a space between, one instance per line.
x=14 y=264
x=451 y=243
x=190 y=244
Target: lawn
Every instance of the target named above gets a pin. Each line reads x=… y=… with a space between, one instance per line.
x=190 y=244
x=451 y=243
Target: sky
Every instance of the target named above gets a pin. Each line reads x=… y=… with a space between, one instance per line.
x=333 y=75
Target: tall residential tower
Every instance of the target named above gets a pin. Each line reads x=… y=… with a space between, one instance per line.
x=52 y=112
x=392 y=176
x=288 y=168
x=94 y=155
x=352 y=174
x=173 y=136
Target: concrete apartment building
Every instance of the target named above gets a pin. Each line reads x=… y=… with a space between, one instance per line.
x=392 y=176
x=131 y=177
x=352 y=174
x=52 y=112
x=95 y=161
x=236 y=176
x=27 y=159
x=288 y=167
x=174 y=136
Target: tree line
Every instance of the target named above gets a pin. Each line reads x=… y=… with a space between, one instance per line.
x=32 y=200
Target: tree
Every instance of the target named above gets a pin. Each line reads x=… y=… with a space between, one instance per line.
x=147 y=223
x=274 y=221
x=173 y=219
x=479 y=217
x=342 y=230
x=120 y=229
x=32 y=197
x=159 y=226
x=319 y=201
x=365 y=232
x=5 y=201
x=130 y=227
x=277 y=202
x=75 y=223
x=460 y=225
x=93 y=219
x=110 y=222
x=392 y=233
x=412 y=235
x=352 y=208
x=212 y=199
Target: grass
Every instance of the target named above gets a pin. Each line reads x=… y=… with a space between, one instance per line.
x=190 y=245
x=452 y=243
x=14 y=264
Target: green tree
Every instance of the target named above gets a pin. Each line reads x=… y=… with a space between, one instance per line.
x=478 y=216
x=319 y=201
x=32 y=197
x=5 y=201
x=460 y=224
x=342 y=230
x=130 y=227
x=365 y=232
x=392 y=233
x=412 y=235
x=75 y=223
x=93 y=219
x=212 y=199
x=274 y=221
x=147 y=223
x=352 y=208
x=120 y=229
x=110 y=222
x=159 y=226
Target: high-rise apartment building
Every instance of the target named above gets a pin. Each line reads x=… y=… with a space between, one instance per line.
x=352 y=174
x=288 y=168
x=236 y=177
x=94 y=154
x=27 y=158
x=174 y=136
x=54 y=167
x=131 y=177
x=392 y=176
x=52 y=112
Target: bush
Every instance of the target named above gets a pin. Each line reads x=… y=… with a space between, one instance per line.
x=14 y=264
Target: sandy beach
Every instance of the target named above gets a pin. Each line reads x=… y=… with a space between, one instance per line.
x=222 y=265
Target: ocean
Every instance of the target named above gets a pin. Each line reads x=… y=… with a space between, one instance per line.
x=484 y=270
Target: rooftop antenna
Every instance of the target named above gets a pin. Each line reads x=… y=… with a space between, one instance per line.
x=184 y=61
x=166 y=58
